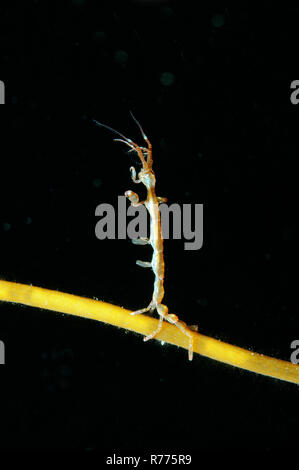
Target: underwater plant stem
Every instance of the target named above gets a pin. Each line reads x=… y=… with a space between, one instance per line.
x=118 y=316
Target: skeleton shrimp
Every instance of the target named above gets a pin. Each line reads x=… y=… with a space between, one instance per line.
x=147 y=176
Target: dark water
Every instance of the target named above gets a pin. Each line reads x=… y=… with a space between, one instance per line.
x=212 y=90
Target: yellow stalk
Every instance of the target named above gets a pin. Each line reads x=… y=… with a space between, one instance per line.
x=114 y=315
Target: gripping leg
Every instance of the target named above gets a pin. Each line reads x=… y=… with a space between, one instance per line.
x=171 y=318
x=133 y=198
x=155 y=332
x=140 y=241
x=150 y=308
x=144 y=264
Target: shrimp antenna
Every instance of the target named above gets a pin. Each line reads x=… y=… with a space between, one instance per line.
x=127 y=141
x=139 y=125
x=111 y=129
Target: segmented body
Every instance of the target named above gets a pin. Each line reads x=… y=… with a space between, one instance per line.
x=147 y=177
x=156 y=240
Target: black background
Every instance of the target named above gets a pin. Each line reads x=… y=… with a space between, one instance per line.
x=211 y=88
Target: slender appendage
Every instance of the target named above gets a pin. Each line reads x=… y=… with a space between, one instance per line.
x=140 y=241
x=133 y=175
x=61 y=302
x=156 y=331
x=144 y=264
x=148 y=150
x=171 y=318
x=149 y=308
